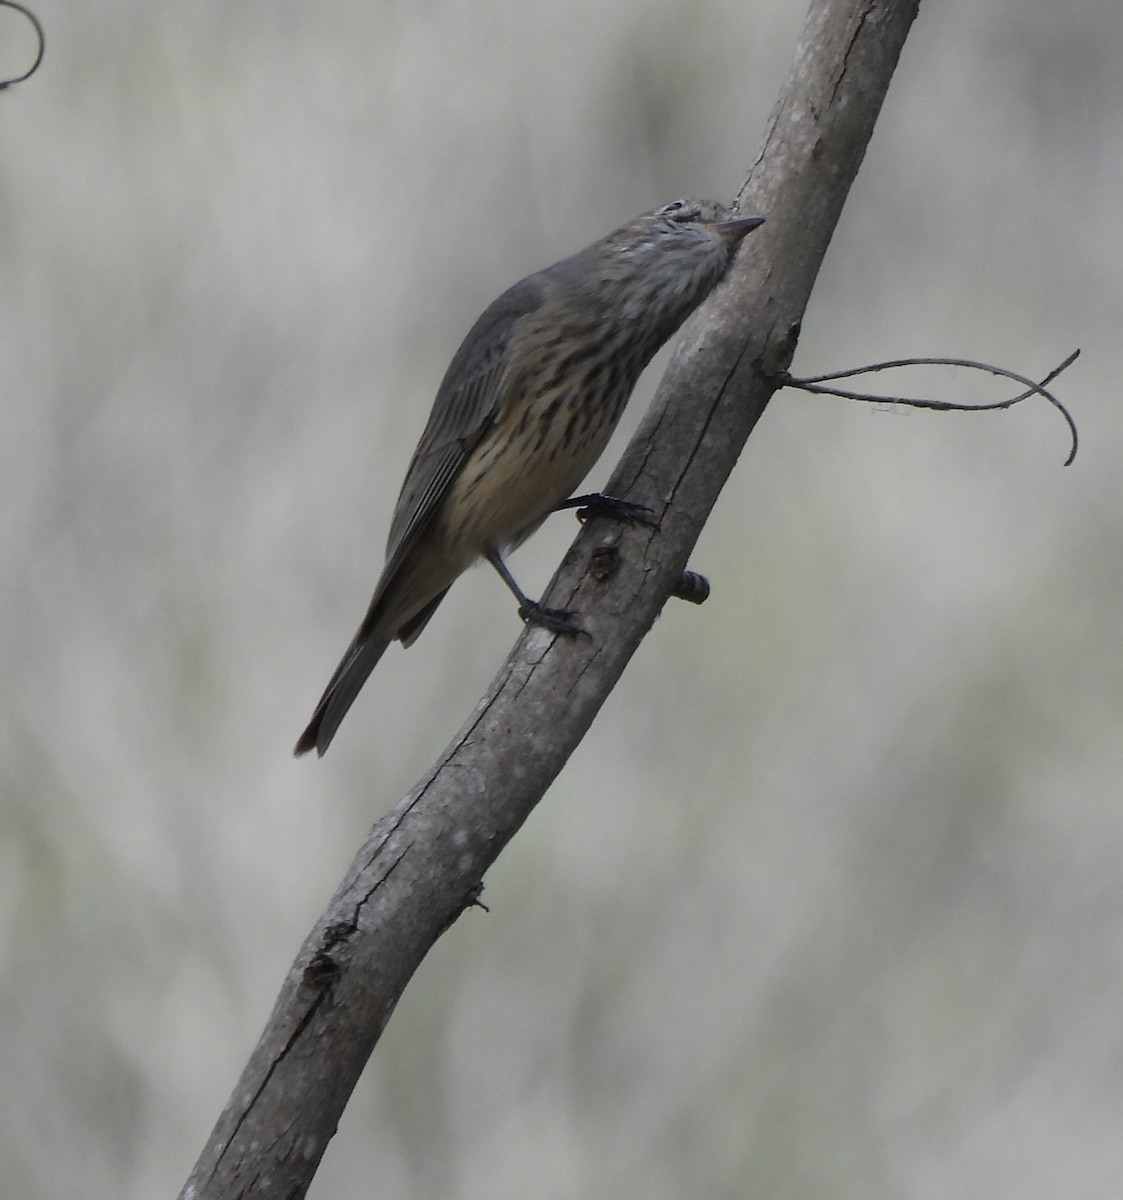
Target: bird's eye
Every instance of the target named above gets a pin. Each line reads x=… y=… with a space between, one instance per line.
x=674 y=206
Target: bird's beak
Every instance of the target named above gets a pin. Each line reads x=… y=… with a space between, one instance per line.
x=735 y=228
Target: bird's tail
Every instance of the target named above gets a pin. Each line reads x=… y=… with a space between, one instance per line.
x=339 y=695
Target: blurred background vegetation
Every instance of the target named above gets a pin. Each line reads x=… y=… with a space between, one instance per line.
x=830 y=901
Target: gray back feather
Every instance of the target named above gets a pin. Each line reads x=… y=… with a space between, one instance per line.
x=467 y=404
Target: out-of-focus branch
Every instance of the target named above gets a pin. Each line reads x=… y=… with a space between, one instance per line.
x=423 y=862
x=42 y=44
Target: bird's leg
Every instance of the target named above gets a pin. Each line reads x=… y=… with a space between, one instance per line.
x=557 y=620
x=596 y=504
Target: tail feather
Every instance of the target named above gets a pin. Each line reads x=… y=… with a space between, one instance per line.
x=340 y=693
x=411 y=630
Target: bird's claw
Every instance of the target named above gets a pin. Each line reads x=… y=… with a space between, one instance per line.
x=596 y=504
x=562 y=621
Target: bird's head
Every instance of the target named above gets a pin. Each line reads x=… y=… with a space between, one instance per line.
x=683 y=227
x=672 y=257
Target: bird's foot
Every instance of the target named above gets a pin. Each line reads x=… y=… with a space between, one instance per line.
x=562 y=621
x=596 y=504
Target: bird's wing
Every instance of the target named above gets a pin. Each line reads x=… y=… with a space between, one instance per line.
x=468 y=402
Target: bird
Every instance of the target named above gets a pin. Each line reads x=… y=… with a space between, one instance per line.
x=526 y=407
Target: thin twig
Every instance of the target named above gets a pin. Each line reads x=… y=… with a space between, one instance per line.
x=814 y=383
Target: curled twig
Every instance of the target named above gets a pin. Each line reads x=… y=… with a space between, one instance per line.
x=816 y=383
x=6 y=83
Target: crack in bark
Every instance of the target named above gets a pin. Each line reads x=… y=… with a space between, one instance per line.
x=382 y=879
x=302 y=1024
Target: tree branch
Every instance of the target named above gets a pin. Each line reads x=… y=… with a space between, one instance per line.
x=424 y=861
